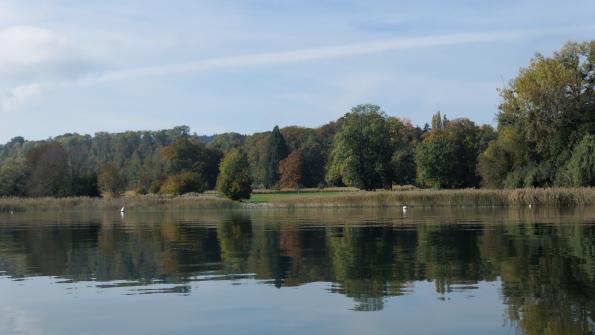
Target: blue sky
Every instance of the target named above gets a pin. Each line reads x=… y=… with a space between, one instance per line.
x=216 y=66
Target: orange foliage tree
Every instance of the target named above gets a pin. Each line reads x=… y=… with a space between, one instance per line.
x=290 y=170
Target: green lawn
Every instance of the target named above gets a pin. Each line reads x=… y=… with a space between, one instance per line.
x=268 y=197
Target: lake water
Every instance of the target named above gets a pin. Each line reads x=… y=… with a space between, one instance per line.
x=323 y=271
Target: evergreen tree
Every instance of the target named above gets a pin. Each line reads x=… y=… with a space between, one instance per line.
x=275 y=150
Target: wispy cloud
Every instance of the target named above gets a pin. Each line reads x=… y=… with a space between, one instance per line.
x=21 y=93
x=306 y=55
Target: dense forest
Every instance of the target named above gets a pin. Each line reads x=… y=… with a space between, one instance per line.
x=545 y=136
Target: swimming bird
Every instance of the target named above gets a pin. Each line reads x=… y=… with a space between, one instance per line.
x=123 y=210
x=404 y=208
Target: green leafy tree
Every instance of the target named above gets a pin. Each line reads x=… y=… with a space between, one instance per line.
x=188 y=155
x=581 y=167
x=227 y=141
x=435 y=158
x=552 y=104
x=235 y=181
x=313 y=157
x=13 y=178
x=362 y=150
x=464 y=136
x=447 y=156
x=503 y=155
x=404 y=138
x=275 y=150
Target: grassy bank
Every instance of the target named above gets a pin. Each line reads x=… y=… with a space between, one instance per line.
x=130 y=202
x=578 y=197
x=427 y=198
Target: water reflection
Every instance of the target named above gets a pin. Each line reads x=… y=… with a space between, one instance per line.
x=543 y=259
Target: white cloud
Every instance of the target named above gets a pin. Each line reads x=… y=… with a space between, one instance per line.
x=24 y=47
x=11 y=99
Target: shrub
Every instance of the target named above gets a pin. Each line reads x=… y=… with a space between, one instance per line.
x=184 y=182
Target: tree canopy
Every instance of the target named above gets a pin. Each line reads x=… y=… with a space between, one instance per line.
x=544 y=137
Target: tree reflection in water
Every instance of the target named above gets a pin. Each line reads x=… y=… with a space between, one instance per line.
x=545 y=260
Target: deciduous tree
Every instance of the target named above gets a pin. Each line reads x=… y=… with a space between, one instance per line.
x=234 y=179
x=290 y=170
x=111 y=181
x=361 y=149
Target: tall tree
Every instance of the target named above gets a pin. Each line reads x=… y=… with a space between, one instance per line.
x=447 y=156
x=551 y=103
x=436 y=159
x=361 y=149
x=274 y=151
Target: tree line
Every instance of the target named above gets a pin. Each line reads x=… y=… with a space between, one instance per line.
x=545 y=136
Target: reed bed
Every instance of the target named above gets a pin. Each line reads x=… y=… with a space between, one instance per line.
x=561 y=197
x=193 y=201
x=305 y=190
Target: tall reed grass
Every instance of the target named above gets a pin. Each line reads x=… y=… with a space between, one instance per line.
x=560 y=197
x=15 y=204
x=463 y=197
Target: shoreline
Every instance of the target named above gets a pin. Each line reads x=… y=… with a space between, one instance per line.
x=556 y=197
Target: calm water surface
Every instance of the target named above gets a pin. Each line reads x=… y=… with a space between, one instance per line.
x=364 y=271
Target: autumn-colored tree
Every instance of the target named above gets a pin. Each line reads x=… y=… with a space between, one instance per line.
x=110 y=181
x=290 y=170
x=184 y=182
